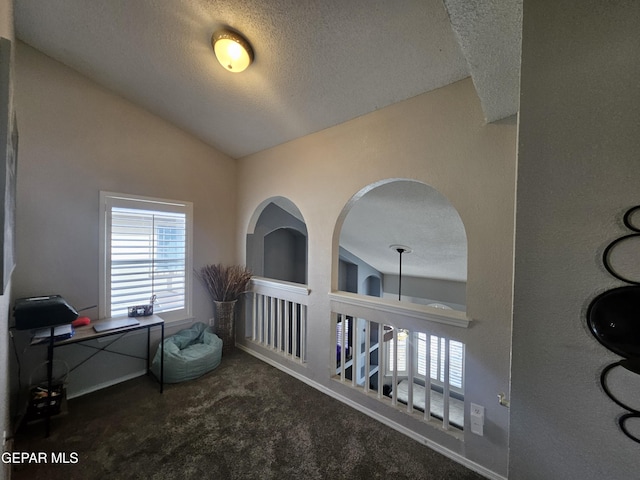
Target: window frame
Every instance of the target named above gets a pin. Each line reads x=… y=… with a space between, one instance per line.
x=434 y=381
x=108 y=200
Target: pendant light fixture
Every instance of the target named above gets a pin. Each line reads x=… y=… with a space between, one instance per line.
x=401 y=249
x=232 y=50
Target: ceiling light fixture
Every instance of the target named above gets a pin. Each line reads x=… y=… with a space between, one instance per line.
x=232 y=51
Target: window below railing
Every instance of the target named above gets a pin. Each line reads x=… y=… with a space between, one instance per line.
x=429 y=354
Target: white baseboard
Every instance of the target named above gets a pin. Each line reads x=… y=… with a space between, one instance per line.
x=100 y=386
x=456 y=457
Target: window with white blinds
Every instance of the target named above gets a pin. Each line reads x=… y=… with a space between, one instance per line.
x=401 y=358
x=437 y=346
x=147 y=255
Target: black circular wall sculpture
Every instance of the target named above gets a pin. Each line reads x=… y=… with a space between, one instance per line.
x=632 y=219
x=615 y=264
x=614 y=316
x=614 y=319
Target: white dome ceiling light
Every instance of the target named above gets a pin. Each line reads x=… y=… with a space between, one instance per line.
x=232 y=50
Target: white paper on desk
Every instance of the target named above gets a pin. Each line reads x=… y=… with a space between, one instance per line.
x=59 y=330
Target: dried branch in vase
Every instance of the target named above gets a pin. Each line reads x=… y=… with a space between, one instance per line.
x=225 y=283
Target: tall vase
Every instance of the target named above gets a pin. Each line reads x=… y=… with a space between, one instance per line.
x=224 y=323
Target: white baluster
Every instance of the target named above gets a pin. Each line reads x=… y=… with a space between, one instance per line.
x=303 y=332
x=343 y=349
x=409 y=360
x=427 y=378
x=296 y=332
x=445 y=390
x=272 y=321
x=367 y=355
x=254 y=317
x=394 y=395
x=381 y=357
x=265 y=320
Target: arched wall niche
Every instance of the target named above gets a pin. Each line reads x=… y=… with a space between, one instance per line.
x=277 y=241
x=373 y=286
x=409 y=213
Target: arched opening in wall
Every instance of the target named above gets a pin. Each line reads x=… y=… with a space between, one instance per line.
x=373 y=286
x=277 y=252
x=277 y=242
x=410 y=214
x=409 y=360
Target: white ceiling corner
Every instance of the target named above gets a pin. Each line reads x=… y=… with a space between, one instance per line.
x=490 y=35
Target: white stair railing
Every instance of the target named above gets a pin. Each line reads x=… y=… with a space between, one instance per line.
x=395 y=363
x=279 y=317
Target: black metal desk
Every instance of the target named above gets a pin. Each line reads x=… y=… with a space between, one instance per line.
x=87 y=332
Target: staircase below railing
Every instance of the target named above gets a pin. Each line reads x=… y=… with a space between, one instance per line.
x=279 y=317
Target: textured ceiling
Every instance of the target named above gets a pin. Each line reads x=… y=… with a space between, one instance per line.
x=317 y=63
x=490 y=35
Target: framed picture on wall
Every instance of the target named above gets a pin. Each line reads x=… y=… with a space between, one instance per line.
x=8 y=164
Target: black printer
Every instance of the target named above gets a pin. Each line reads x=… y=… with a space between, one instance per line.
x=44 y=311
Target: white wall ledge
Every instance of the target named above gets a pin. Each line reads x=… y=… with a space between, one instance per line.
x=421 y=312
x=278 y=288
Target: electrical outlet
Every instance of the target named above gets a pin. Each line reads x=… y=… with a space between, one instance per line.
x=477 y=419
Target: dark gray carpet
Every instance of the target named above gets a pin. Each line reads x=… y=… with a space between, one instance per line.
x=244 y=420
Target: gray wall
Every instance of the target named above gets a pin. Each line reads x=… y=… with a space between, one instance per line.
x=578 y=171
x=428 y=290
x=285 y=255
x=354 y=273
x=441 y=139
x=277 y=247
x=76 y=139
x=6 y=31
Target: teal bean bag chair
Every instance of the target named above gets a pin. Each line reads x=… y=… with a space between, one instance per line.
x=189 y=354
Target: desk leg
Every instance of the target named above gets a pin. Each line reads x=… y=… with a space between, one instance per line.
x=162 y=359
x=47 y=413
x=148 y=350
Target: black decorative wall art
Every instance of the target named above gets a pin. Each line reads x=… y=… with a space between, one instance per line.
x=614 y=316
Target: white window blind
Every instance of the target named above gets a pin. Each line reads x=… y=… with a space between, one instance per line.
x=436 y=354
x=402 y=352
x=342 y=321
x=147 y=254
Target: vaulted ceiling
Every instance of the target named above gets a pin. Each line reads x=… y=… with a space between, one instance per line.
x=318 y=63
